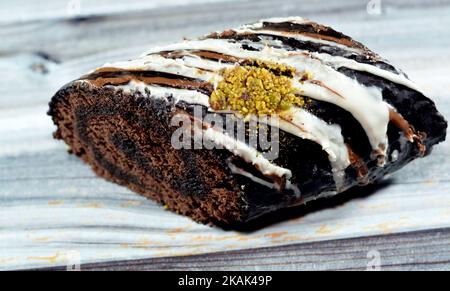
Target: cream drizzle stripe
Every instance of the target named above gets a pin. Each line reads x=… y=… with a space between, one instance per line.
x=157 y=62
x=188 y=96
x=304 y=125
x=359 y=98
x=340 y=61
x=300 y=37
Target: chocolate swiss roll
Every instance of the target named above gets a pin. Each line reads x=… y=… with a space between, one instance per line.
x=239 y=123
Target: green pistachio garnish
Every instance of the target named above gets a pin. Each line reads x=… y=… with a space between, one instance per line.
x=258 y=88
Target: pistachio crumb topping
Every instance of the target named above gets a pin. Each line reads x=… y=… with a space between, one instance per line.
x=306 y=76
x=257 y=87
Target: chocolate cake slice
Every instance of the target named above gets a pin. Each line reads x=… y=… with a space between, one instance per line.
x=179 y=123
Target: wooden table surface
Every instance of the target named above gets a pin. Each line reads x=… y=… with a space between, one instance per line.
x=54 y=211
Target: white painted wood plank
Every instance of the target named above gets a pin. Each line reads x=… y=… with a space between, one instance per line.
x=51 y=203
x=13 y=11
x=413 y=251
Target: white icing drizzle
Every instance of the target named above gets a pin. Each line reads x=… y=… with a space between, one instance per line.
x=157 y=62
x=293 y=19
x=273 y=54
x=188 y=96
x=308 y=126
x=338 y=61
x=364 y=103
x=239 y=171
x=250 y=155
x=394 y=155
x=335 y=61
x=299 y=37
x=327 y=84
x=197 y=61
x=303 y=124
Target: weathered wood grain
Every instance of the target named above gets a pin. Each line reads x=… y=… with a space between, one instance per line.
x=33 y=10
x=51 y=203
x=422 y=250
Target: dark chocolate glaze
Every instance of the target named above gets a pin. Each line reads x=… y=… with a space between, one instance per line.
x=292 y=44
x=312 y=28
x=112 y=76
x=417 y=109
